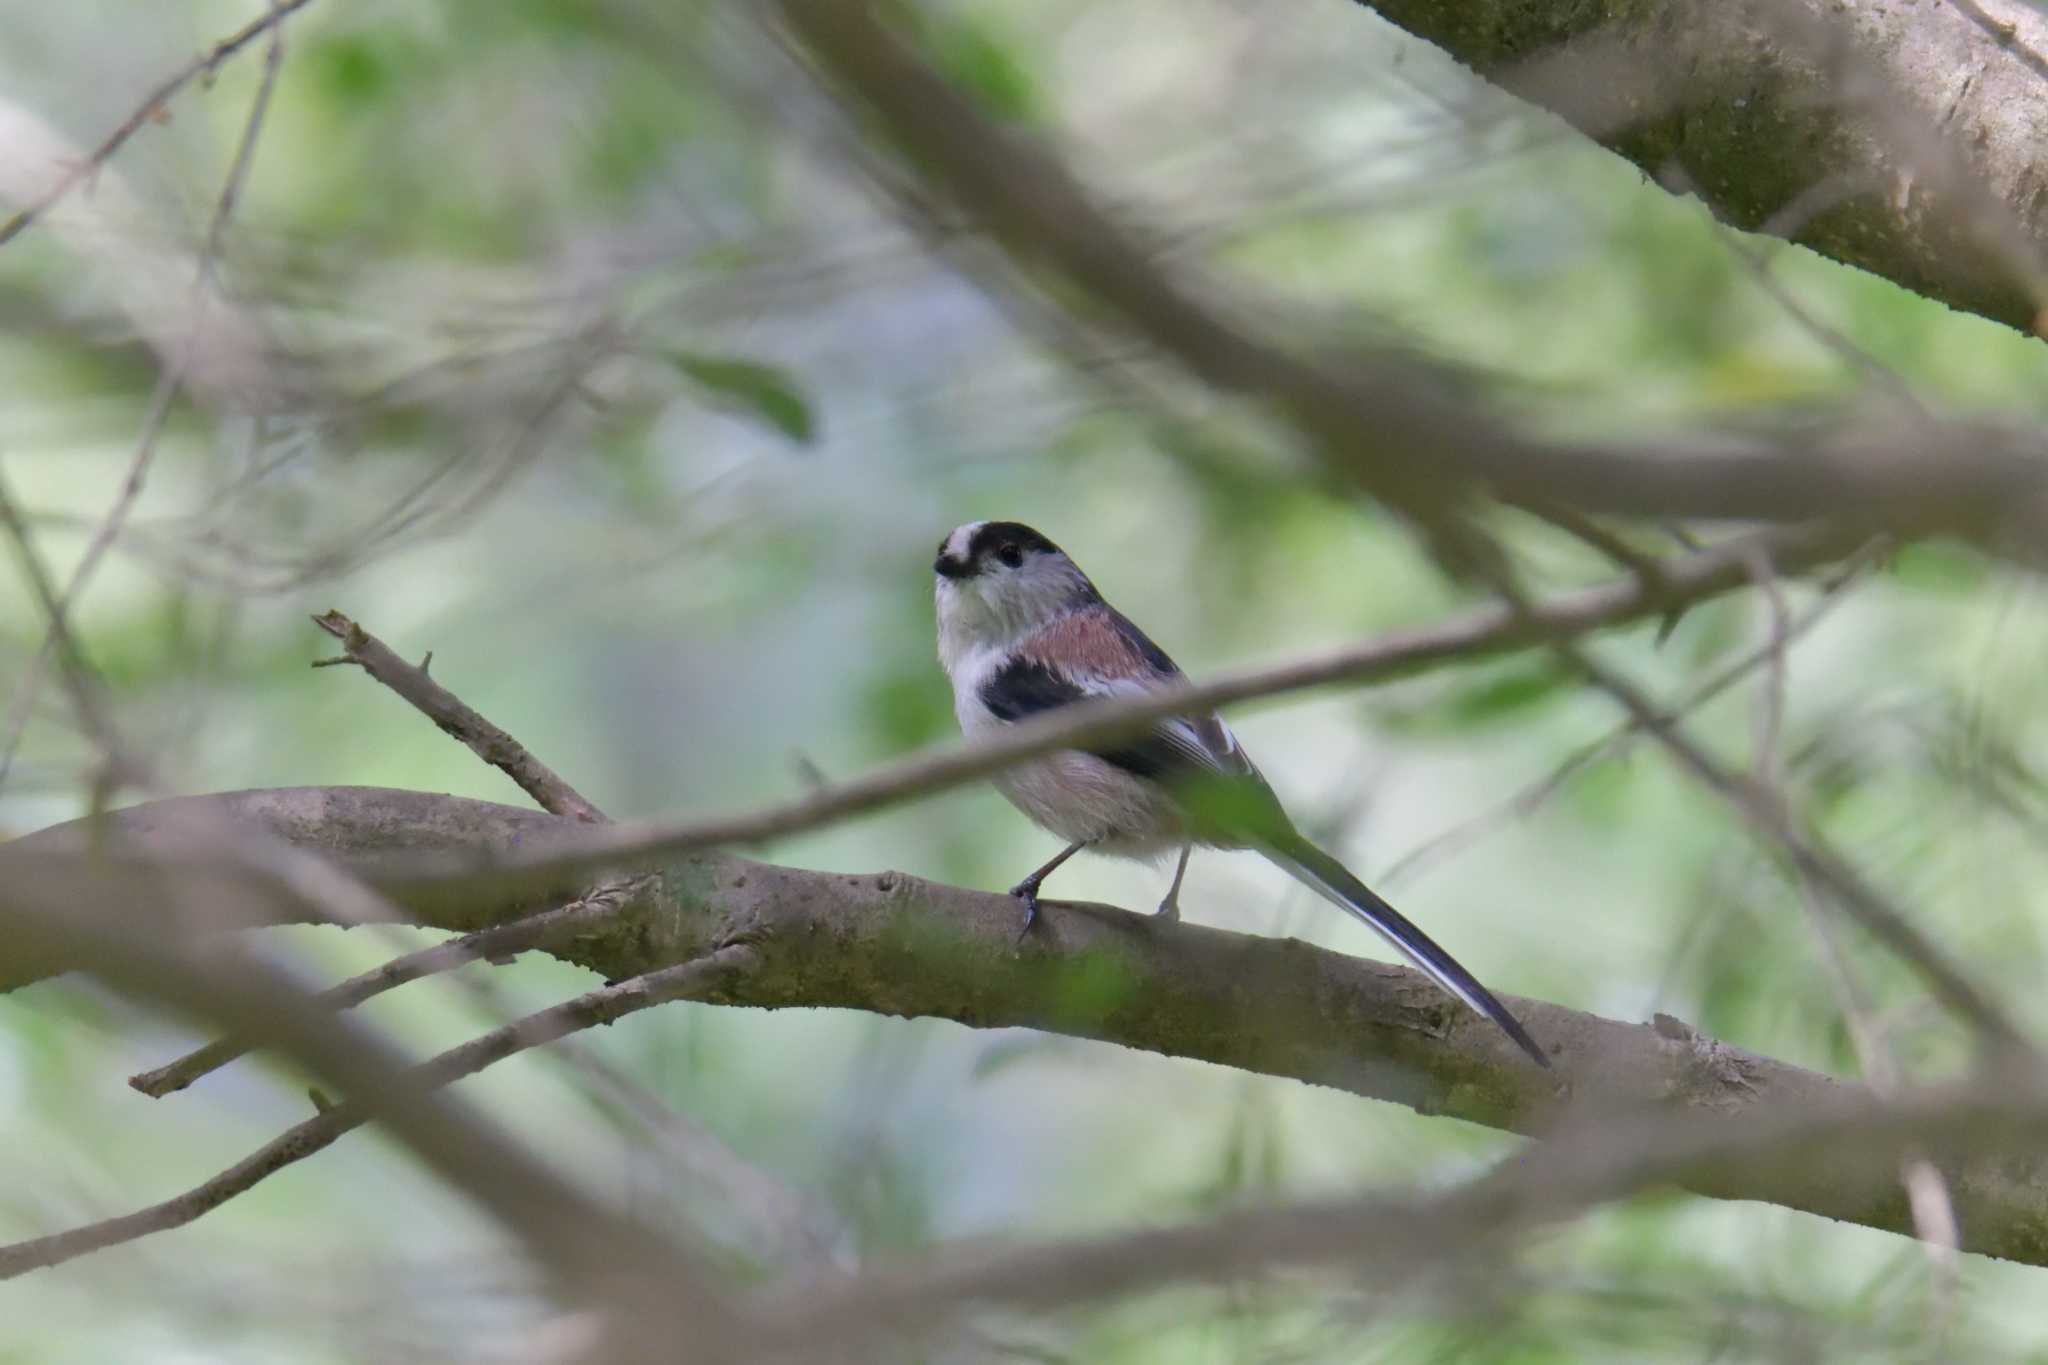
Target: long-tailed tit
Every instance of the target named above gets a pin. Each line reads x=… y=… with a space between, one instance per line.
x=1022 y=630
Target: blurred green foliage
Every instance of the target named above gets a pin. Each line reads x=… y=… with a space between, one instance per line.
x=702 y=571
x=761 y=391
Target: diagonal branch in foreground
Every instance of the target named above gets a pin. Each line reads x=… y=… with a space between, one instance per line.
x=894 y=944
x=594 y=1249
x=688 y=981
x=1393 y=423
x=1391 y=1241
x=494 y=942
x=1481 y=633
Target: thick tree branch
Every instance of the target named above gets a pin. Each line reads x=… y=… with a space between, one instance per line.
x=895 y=944
x=1925 y=119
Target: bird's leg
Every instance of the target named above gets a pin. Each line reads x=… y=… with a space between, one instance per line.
x=1169 y=908
x=1027 y=890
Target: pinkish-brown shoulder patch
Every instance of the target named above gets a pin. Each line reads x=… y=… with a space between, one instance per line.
x=1087 y=642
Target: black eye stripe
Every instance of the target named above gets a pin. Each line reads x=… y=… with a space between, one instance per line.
x=1011 y=555
x=995 y=536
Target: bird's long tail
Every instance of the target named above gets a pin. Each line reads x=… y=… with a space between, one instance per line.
x=1325 y=875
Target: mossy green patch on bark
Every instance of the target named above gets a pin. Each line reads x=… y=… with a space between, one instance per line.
x=1767 y=114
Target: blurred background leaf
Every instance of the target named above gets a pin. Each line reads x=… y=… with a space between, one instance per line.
x=672 y=564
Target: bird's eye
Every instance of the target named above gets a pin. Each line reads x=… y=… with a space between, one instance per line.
x=1011 y=555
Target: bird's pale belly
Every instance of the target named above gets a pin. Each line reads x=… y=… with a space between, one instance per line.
x=1080 y=797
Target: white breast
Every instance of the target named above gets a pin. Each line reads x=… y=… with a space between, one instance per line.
x=1076 y=796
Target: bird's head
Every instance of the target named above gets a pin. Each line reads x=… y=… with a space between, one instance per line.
x=1000 y=580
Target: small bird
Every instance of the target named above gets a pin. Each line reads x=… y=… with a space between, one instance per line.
x=1022 y=630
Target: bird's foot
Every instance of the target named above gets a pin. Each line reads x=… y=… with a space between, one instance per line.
x=1169 y=910
x=1027 y=892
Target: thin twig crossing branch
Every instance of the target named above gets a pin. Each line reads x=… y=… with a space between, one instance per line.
x=458 y=719
x=485 y=943
x=1766 y=812
x=602 y=1006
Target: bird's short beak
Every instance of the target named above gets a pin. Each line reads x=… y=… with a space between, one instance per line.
x=949 y=568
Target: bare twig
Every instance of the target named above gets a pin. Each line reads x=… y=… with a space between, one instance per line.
x=485 y=943
x=88 y=697
x=245 y=150
x=1758 y=265
x=169 y=379
x=1616 y=549
x=1927 y=1191
x=595 y=1251
x=2005 y=34
x=780 y=1223
x=1766 y=812
x=690 y=980
x=496 y=747
x=204 y=64
x=1768 y=815
x=795 y=1228
x=1529 y=798
x=1770 y=705
x=448 y=711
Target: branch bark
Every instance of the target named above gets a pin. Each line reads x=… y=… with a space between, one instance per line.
x=1901 y=139
x=894 y=944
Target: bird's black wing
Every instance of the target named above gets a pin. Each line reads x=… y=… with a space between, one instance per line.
x=1195 y=755
x=1026 y=687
